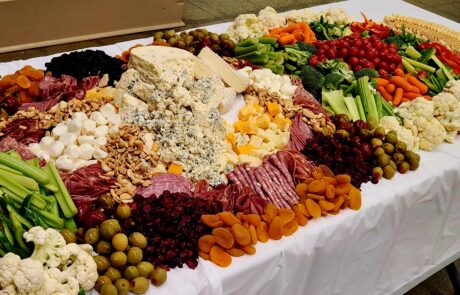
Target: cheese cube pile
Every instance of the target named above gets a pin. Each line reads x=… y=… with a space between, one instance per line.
x=258 y=132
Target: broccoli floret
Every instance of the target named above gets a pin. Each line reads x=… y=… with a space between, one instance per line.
x=332 y=81
x=302 y=46
x=336 y=66
x=371 y=73
x=312 y=79
x=396 y=41
x=301 y=57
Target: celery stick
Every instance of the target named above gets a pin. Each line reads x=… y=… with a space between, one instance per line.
x=420 y=65
x=367 y=97
x=70 y=224
x=6 y=168
x=25 y=181
x=62 y=196
x=336 y=100
x=269 y=40
x=378 y=103
x=443 y=67
x=409 y=68
x=244 y=50
x=19 y=165
x=248 y=42
x=412 y=52
x=359 y=105
x=350 y=102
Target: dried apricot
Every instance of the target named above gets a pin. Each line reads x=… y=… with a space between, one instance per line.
x=249 y=249
x=228 y=218
x=24 y=96
x=330 y=192
x=35 y=75
x=317 y=174
x=343 y=188
x=326 y=170
x=203 y=255
x=339 y=202
x=301 y=219
x=271 y=210
x=275 y=230
x=313 y=208
x=315 y=197
x=301 y=189
x=220 y=257
x=330 y=180
x=308 y=180
x=325 y=205
x=317 y=187
x=236 y=252
x=301 y=208
x=290 y=228
x=241 y=235
x=266 y=218
x=324 y=212
x=223 y=237
x=286 y=214
x=211 y=220
x=23 y=82
x=206 y=242
x=252 y=219
x=262 y=232
x=253 y=233
x=354 y=197
x=343 y=178
x=34 y=88
x=240 y=216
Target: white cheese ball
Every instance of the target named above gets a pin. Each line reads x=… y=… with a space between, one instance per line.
x=108 y=110
x=101 y=131
x=114 y=119
x=64 y=163
x=43 y=154
x=86 y=151
x=99 y=154
x=79 y=163
x=89 y=126
x=56 y=149
x=75 y=126
x=113 y=130
x=35 y=147
x=100 y=141
x=85 y=139
x=68 y=138
x=81 y=116
x=72 y=151
x=46 y=142
x=99 y=118
x=60 y=129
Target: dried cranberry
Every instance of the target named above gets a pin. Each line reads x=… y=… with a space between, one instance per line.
x=93 y=218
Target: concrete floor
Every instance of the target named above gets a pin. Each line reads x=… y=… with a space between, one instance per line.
x=204 y=12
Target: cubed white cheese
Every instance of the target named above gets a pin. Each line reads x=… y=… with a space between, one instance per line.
x=89 y=126
x=68 y=138
x=252 y=161
x=81 y=116
x=56 y=149
x=114 y=119
x=108 y=110
x=86 y=151
x=85 y=139
x=256 y=141
x=99 y=154
x=99 y=118
x=75 y=126
x=64 y=163
x=80 y=163
x=60 y=129
x=100 y=141
x=101 y=131
x=72 y=151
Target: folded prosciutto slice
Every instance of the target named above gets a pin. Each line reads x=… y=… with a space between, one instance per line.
x=166 y=182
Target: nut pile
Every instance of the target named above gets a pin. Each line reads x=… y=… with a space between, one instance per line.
x=318 y=122
x=263 y=96
x=132 y=155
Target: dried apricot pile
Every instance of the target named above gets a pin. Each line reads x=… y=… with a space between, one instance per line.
x=23 y=82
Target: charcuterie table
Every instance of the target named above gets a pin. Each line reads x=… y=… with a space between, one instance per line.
x=406 y=230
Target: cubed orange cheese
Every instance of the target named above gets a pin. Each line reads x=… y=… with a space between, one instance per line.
x=239 y=125
x=263 y=121
x=283 y=123
x=244 y=149
x=175 y=168
x=246 y=111
x=273 y=108
x=250 y=126
x=231 y=138
x=257 y=108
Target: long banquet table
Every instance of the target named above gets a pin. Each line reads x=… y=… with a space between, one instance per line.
x=407 y=229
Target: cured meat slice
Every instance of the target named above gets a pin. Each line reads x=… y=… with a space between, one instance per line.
x=298 y=165
x=277 y=190
x=268 y=191
x=232 y=177
x=257 y=186
x=9 y=143
x=24 y=130
x=282 y=167
x=166 y=182
x=241 y=177
x=242 y=169
x=300 y=133
x=287 y=192
x=305 y=99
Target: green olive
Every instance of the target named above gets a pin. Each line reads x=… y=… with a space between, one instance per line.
x=158 y=35
x=102 y=263
x=131 y=272
x=414 y=165
x=145 y=269
x=138 y=240
x=109 y=290
x=388 y=148
x=118 y=259
x=122 y=286
x=123 y=211
x=383 y=160
x=398 y=158
x=393 y=165
x=120 y=242
x=372 y=123
x=158 y=276
x=379 y=151
x=102 y=280
x=224 y=37
x=388 y=172
x=134 y=255
x=106 y=202
x=139 y=285
x=92 y=236
x=68 y=236
x=172 y=40
x=343 y=132
x=401 y=147
x=403 y=167
x=379 y=132
x=392 y=137
x=377 y=172
x=103 y=247
x=109 y=228
x=113 y=274
x=214 y=37
x=376 y=142
x=180 y=44
x=169 y=34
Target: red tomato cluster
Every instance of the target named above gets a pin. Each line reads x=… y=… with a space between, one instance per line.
x=359 y=53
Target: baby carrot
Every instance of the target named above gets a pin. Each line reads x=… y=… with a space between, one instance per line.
x=411 y=95
x=405 y=99
x=399 y=72
x=427 y=97
x=382 y=82
x=288 y=39
x=390 y=88
x=398 y=96
x=384 y=93
x=415 y=82
x=276 y=31
x=401 y=82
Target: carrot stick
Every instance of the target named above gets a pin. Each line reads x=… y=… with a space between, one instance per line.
x=299 y=35
x=412 y=95
x=390 y=88
x=384 y=93
x=284 y=34
x=288 y=39
x=382 y=82
x=415 y=82
x=399 y=72
x=427 y=97
x=401 y=82
x=292 y=27
x=276 y=31
x=398 y=96
x=405 y=99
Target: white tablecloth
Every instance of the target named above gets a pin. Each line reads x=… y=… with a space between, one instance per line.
x=407 y=229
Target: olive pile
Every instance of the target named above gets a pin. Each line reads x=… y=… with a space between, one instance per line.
x=120 y=258
x=391 y=155
x=194 y=40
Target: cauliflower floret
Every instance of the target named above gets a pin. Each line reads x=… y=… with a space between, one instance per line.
x=335 y=15
x=271 y=19
x=59 y=283
x=453 y=86
x=418 y=107
x=49 y=246
x=447 y=111
x=9 y=266
x=81 y=265
x=305 y=15
x=404 y=134
x=9 y=290
x=430 y=132
x=29 y=278
x=246 y=26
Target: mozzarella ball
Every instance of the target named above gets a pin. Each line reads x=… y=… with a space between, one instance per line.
x=72 y=151
x=85 y=139
x=81 y=116
x=68 y=138
x=79 y=163
x=86 y=151
x=46 y=142
x=101 y=131
x=64 y=163
x=56 y=149
x=99 y=118
x=60 y=129
x=108 y=110
x=75 y=126
x=100 y=141
x=43 y=154
x=34 y=147
x=99 y=154
x=114 y=119
x=89 y=126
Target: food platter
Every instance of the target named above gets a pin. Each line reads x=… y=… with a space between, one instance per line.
x=392 y=218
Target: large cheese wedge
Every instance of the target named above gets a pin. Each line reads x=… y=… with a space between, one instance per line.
x=231 y=77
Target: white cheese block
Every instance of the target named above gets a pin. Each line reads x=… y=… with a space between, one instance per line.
x=231 y=77
x=228 y=100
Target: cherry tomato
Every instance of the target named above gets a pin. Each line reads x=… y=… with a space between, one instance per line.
x=354 y=51
x=343 y=52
